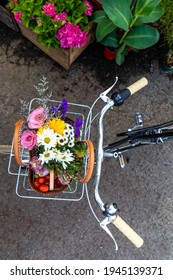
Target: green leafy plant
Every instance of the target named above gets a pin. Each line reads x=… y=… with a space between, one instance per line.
x=165 y=26
x=57 y=23
x=126 y=23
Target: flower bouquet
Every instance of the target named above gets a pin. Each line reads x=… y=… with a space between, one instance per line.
x=56 y=152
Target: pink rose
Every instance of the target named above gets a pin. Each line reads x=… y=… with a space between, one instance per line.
x=37 y=118
x=28 y=139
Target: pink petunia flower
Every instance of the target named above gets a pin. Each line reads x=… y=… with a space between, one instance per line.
x=17 y=16
x=28 y=139
x=49 y=10
x=37 y=118
x=71 y=35
x=89 y=10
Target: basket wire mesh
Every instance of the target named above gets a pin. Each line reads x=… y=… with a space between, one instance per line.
x=77 y=189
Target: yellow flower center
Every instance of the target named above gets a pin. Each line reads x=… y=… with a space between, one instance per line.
x=57 y=125
x=47 y=155
x=47 y=140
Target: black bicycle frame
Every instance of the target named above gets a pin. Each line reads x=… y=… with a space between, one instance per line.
x=141 y=137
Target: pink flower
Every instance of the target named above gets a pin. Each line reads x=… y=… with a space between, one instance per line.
x=28 y=139
x=60 y=16
x=89 y=10
x=17 y=16
x=49 y=10
x=71 y=35
x=65 y=180
x=37 y=167
x=37 y=118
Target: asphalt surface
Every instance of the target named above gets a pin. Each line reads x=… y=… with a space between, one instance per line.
x=55 y=229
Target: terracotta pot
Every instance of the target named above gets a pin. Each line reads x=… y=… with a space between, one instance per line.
x=109 y=54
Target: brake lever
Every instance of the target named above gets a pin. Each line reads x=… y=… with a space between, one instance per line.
x=104 y=96
x=104 y=224
x=110 y=212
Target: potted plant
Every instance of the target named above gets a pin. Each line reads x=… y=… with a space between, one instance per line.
x=127 y=23
x=55 y=23
x=166 y=30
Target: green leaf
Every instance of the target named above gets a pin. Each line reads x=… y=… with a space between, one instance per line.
x=98 y=16
x=120 y=54
x=119 y=12
x=142 y=37
x=26 y=21
x=111 y=40
x=153 y=17
x=104 y=28
x=145 y=7
x=38 y=29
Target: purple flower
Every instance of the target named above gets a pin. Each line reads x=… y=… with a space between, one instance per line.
x=77 y=125
x=64 y=108
x=37 y=167
x=55 y=109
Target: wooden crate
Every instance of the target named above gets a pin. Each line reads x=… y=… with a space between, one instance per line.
x=65 y=57
x=7 y=17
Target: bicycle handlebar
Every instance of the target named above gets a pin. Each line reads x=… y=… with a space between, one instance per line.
x=120 y=97
x=128 y=231
x=137 y=85
x=117 y=99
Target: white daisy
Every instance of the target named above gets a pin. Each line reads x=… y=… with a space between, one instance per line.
x=71 y=144
x=66 y=157
x=70 y=128
x=66 y=132
x=46 y=156
x=62 y=140
x=47 y=138
x=57 y=155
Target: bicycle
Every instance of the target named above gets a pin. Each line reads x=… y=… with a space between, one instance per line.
x=132 y=138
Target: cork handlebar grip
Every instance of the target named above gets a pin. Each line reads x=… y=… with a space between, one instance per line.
x=137 y=85
x=128 y=231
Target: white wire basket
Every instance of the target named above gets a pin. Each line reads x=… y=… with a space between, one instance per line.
x=77 y=189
